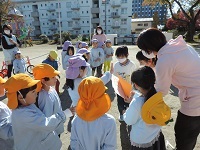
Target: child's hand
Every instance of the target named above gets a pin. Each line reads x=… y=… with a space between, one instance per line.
x=129 y=99
x=73 y=110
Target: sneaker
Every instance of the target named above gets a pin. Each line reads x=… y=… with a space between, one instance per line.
x=121 y=118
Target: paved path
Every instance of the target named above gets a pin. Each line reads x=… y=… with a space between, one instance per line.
x=38 y=53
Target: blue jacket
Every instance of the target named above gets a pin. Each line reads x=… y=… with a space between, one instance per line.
x=54 y=63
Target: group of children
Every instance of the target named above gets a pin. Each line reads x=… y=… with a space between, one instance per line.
x=37 y=118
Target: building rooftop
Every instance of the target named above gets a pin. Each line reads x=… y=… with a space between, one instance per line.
x=141 y=19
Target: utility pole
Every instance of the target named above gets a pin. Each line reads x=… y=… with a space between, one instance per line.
x=59 y=20
x=105 y=16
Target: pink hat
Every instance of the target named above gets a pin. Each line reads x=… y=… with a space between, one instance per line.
x=73 y=70
x=83 y=51
x=66 y=45
x=84 y=44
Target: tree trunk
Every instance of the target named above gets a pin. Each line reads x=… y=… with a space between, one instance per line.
x=191 y=32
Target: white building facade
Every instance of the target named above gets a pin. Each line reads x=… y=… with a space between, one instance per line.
x=77 y=17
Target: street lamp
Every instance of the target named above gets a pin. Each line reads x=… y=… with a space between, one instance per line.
x=59 y=18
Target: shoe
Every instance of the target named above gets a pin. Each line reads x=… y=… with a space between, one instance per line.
x=121 y=118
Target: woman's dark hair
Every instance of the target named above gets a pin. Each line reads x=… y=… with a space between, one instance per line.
x=151 y=40
x=85 y=58
x=145 y=78
x=25 y=91
x=99 y=27
x=121 y=51
x=140 y=56
x=70 y=47
x=70 y=82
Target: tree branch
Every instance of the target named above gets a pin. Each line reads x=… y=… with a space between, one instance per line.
x=196 y=16
x=186 y=15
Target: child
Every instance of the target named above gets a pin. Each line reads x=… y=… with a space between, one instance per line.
x=64 y=51
x=144 y=61
x=69 y=54
x=124 y=67
x=6 y=135
x=108 y=51
x=19 y=63
x=92 y=127
x=75 y=73
x=85 y=45
x=78 y=46
x=143 y=135
x=97 y=58
x=31 y=128
x=52 y=60
x=48 y=100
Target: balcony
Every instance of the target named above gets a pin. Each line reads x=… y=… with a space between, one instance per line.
x=76 y=27
x=115 y=4
x=115 y=26
x=35 y=14
x=75 y=7
x=36 y=23
x=53 y=28
x=115 y=15
x=76 y=17
x=51 y=9
x=52 y=18
x=37 y=32
x=95 y=10
x=95 y=20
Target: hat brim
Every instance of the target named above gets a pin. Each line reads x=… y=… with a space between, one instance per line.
x=155 y=99
x=96 y=109
x=12 y=97
x=2 y=80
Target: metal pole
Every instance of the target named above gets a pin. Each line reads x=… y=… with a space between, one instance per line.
x=59 y=19
x=90 y=25
x=105 y=16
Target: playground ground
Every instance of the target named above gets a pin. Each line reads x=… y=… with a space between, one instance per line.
x=38 y=53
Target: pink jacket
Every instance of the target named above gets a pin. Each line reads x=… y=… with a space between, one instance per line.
x=100 y=37
x=179 y=64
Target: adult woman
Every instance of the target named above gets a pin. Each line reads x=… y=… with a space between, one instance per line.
x=99 y=35
x=177 y=64
x=9 y=44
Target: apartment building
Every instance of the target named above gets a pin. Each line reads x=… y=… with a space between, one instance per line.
x=77 y=17
x=140 y=11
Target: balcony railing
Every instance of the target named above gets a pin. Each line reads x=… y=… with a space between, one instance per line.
x=115 y=15
x=75 y=7
x=52 y=18
x=51 y=8
x=36 y=23
x=35 y=14
x=95 y=20
x=76 y=26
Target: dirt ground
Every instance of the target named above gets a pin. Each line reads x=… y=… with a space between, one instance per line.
x=38 y=53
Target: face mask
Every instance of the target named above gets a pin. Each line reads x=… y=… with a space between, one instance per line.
x=121 y=60
x=150 y=56
x=99 y=31
x=7 y=31
x=22 y=97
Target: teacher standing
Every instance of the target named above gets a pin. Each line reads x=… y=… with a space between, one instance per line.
x=10 y=44
x=100 y=36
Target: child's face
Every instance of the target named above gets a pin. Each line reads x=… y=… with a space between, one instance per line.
x=18 y=56
x=122 y=59
x=83 y=72
x=95 y=44
x=2 y=90
x=30 y=98
x=70 y=52
x=108 y=44
x=80 y=45
x=51 y=82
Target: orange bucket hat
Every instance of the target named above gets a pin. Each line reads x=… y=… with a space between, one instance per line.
x=155 y=111
x=44 y=70
x=93 y=102
x=16 y=83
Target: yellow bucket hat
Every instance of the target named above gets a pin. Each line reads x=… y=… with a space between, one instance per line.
x=53 y=55
x=16 y=83
x=2 y=80
x=155 y=111
x=44 y=70
x=93 y=102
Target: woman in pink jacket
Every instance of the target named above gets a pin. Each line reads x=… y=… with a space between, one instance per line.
x=99 y=35
x=177 y=64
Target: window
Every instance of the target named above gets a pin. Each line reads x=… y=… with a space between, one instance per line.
x=83 y=21
x=43 y=23
x=87 y=21
x=45 y=4
x=86 y=1
x=87 y=12
x=69 y=14
x=124 y=11
x=70 y=23
x=124 y=1
x=83 y=31
x=41 y=5
x=139 y=24
x=145 y=24
x=123 y=21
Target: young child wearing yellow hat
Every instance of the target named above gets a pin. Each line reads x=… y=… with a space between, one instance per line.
x=52 y=60
x=92 y=127
x=146 y=113
x=6 y=135
x=48 y=99
x=31 y=128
